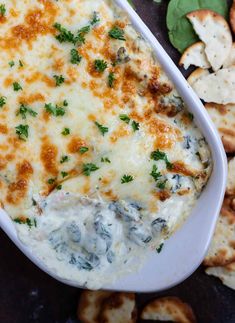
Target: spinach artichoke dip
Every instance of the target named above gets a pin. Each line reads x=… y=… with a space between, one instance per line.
x=100 y=160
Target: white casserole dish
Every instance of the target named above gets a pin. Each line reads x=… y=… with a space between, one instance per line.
x=185 y=250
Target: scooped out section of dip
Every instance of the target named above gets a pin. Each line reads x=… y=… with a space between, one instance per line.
x=90 y=240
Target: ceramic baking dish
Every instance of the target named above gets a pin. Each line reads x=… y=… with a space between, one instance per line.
x=185 y=250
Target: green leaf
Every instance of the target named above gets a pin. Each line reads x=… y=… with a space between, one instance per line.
x=88 y=168
x=181 y=32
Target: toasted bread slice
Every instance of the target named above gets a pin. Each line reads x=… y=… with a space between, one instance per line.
x=195 y=55
x=196 y=75
x=168 y=309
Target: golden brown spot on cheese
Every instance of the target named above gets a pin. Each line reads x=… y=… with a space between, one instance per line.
x=91 y=117
x=36 y=22
x=18 y=189
x=3 y=162
x=180 y=168
x=100 y=32
x=162 y=195
x=72 y=74
x=122 y=131
x=48 y=156
x=75 y=144
x=110 y=195
x=3 y=129
x=31 y=98
x=165 y=134
x=2 y=19
x=8 y=81
x=48 y=81
x=10 y=157
x=58 y=64
x=14 y=13
x=86 y=187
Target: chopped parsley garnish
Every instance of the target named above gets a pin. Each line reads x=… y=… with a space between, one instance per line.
x=24 y=110
x=125 y=118
x=64 y=174
x=162 y=184
x=159 y=155
x=17 y=86
x=117 y=33
x=95 y=19
x=105 y=160
x=64 y=159
x=59 y=79
x=65 y=103
x=11 y=63
x=22 y=131
x=83 y=150
x=135 y=125
x=51 y=181
x=2 y=10
x=88 y=168
x=55 y=110
x=59 y=187
x=190 y=116
x=155 y=174
x=100 y=65
x=75 y=58
x=30 y=222
x=126 y=179
x=80 y=38
x=65 y=132
x=101 y=128
x=21 y=63
x=64 y=35
x=159 y=249
x=2 y=101
x=111 y=79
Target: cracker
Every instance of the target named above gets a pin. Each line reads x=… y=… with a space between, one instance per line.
x=195 y=55
x=230 y=60
x=223 y=117
x=214 y=31
x=90 y=304
x=119 y=308
x=217 y=87
x=232 y=16
x=168 y=309
x=230 y=189
x=222 y=248
x=226 y=274
x=196 y=75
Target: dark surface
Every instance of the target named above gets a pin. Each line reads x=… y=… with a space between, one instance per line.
x=28 y=295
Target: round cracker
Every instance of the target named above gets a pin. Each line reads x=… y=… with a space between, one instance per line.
x=226 y=274
x=90 y=304
x=195 y=55
x=168 y=309
x=223 y=117
x=230 y=60
x=196 y=75
x=214 y=31
x=217 y=87
x=230 y=189
x=119 y=308
x=222 y=248
x=232 y=16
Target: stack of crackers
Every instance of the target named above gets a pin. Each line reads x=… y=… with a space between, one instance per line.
x=214 y=83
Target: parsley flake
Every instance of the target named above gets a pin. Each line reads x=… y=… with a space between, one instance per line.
x=126 y=179
x=155 y=174
x=100 y=65
x=17 y=86
x=30 y=222
x=2 y=10
x=88 y=168
x=64 y=159
x=2 y=101
x=105 y=160
x=135 y=125
x=64 y=174
x=95 y=19
x=54 y=110
x=11 y=63
x=83 y=150
x=66 y=132
x=125 y=118
x=75 y=58
x=111 y=79
x=159 y=249
x=117 y=33
x=59 y=79
x=64 y=34
x=101 y=128
x=159 y=155
x=22 y=131
x=24 y=110
x=59 y=187
x=51 y=181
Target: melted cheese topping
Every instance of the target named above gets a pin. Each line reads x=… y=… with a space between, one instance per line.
x=87 y=112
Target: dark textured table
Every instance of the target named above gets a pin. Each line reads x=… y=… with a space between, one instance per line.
x=29 y=295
